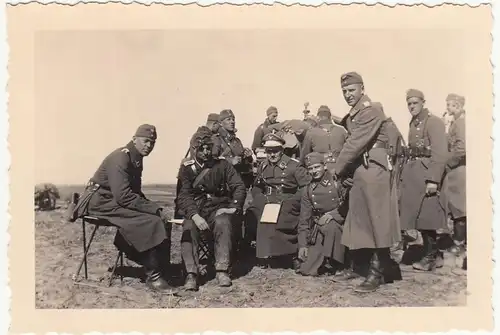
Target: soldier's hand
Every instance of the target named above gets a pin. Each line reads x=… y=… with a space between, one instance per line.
x=164 y=215
x=235 y=160
x=225 y=211
x=325 y=219
x=302 y=254
x=200 y=222
x=431 y=188
x=247 y=153
x=347 y=182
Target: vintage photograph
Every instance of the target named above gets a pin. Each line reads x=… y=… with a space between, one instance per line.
x=260 y=165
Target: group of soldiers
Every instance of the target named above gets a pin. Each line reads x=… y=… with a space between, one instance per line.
x=320 y=194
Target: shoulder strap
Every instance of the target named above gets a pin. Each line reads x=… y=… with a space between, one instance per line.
x=200 y=176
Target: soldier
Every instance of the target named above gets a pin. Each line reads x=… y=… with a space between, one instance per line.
x=278 y=181
x=322 y=214
x=213 y=122
x=372 y=223
x=327 y=138
x=229 y=146
x=454 y=185
x=420 y=206
x=118 y=198
x=261 y=131
x=212 y=192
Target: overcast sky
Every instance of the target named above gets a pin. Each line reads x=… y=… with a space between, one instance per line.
x=94 y=88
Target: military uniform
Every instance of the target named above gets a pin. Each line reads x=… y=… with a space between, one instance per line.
x=218 y=186
x=427 y=158
x=121 y=201
x=372 y=221
x=262 y=130
x=454 y=184
x=327 y=138
x=319 y=198
x=277 y=183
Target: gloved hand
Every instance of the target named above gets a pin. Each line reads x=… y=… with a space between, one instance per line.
x=200 y=222
x=325 y=219
x=302 y=255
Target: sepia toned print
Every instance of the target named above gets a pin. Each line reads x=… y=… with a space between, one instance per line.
x=251 y=166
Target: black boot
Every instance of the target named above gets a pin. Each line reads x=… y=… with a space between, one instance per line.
x=191 y=283
x=375 y=276
x=154 y=278
x=428 y=262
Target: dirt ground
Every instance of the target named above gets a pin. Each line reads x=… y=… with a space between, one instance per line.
x=58 y=250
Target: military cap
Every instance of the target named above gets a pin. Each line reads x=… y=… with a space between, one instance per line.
x=414 y=93
x=350 y=78
x=455 y=97
x=324 y=110
x=146 y=130
x=315 y=158
x=203 y=136
x=226 y=113
x=271 y=110
x=273 y=140
x=213 y=117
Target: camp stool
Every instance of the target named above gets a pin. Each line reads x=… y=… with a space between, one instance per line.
x=96 y=222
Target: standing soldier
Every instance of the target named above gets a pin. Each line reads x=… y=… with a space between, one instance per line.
x=421 y=206
x=211 y=193
x=454 y=185
x=261 y=131
x=372 y=222
x=277 y=185
x=114 y=193
x=322 y=214
x=229 y=146
x=327 y=138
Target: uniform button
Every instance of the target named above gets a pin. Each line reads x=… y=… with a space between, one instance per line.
x=418 y=128
x=282 y=179
x=315 y=203
x=313 y=195
x=329 y=191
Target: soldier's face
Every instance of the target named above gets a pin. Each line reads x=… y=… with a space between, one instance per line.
x=316 y=170
x=273 y=117
x=204 y=153
x=274 y=154
x=352 y=93
x=228 y=123
x=415 y=105
x=453 y=107
x=144 y=145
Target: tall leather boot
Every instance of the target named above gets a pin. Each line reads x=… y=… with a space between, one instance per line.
x=459 y=237
x=348 y=273
x=154 y=279
x=428 y=262
x=375 y=276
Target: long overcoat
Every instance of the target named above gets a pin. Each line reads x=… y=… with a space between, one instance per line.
x=428 y=153
x=372 y=220
x=280 y=238
x=121 y=201
x=454 y=185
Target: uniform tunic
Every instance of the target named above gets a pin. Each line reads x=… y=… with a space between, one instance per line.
x=220 y=187
x=259 y=134
x=427 y=135
x=454 y=185
x=372 y=221
x=227 y=145
x=280 y=238
x=319 y=198
x=121 y=201
x=327 y=138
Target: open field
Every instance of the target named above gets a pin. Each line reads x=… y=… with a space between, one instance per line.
x=59 y=248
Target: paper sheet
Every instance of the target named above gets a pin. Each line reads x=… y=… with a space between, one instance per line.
x=271 y=213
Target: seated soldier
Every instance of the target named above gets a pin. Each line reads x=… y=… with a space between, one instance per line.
x=278 y=181
x=211 y=192
x=322 y=214
x=114 y=193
